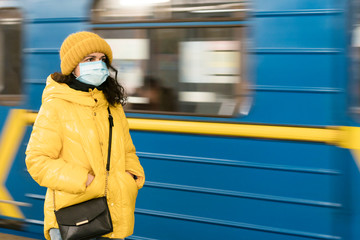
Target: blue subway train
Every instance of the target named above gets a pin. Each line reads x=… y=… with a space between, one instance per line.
x=245 y=114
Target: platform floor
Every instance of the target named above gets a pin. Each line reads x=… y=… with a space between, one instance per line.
x=4 y=236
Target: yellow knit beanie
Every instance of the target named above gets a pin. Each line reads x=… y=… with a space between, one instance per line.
x=77 y=46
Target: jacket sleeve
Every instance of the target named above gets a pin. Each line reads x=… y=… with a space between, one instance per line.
x=43 y=159
x=132 y=163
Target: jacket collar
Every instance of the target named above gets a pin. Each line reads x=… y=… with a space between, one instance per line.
x=55 y=90
x=80 y=86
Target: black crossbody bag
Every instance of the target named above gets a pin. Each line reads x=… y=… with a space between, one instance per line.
x=89 y=219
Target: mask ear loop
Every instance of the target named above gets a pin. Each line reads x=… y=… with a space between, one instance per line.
x=74 y=74
x=115 y=71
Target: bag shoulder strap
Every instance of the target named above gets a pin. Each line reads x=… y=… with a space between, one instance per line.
x=111 y=125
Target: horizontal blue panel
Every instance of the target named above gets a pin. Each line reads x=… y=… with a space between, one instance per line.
x=152 y=225
x=34 y=93
x=39 y=66
x=283 y=5
x=301 y=70
x=238 y=152
x=265 y=213
x=313 y=31
x=241 y=195
x=227 y=151
x=292 y=108
x=49 y=35
x=56 y=9
x=259 y=167
x=247 y=180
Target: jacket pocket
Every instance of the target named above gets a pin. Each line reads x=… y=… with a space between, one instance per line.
x=131 y=189
x=94 y=190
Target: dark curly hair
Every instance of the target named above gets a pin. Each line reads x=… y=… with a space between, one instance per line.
x=113 y=91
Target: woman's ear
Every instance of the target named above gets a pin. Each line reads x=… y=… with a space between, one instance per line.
x=76 y=71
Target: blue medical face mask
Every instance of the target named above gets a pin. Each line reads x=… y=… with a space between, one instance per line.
x=93 y=73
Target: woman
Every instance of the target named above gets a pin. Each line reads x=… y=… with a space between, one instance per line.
x=67 y=151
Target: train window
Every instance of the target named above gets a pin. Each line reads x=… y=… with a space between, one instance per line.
x=10 y=56
x=182 y=70
x=355 y=53
x=157 y=10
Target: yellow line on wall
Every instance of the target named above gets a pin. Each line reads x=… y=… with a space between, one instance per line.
x=342 y=136
x=325 y=135
x=11 y=137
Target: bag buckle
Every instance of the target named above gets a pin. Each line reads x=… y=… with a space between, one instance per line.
x=82 y=222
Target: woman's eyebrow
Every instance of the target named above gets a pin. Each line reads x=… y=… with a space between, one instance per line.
x=91 y=55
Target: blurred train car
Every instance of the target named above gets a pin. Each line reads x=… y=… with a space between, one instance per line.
x=245 y=114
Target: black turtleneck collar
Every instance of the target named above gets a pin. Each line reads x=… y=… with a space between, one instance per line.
x=80 y=86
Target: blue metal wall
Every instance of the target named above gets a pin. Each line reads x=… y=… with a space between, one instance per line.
x=300 y=54
x=225 y=188
x=202 y=187
x=205 y=187
x=47 y=24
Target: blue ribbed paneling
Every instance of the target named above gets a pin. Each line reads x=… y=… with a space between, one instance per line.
x=44 y=9
x=41 y=66
x=295 y=31
x=296 y=69
x=288 y=106
x=241 y=187
x=209 y=228
x=45 y=28
x=297 y=45
x=286 y=5
x=204 y=187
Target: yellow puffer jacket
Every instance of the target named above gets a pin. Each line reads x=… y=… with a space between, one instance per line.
x=70 y=140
